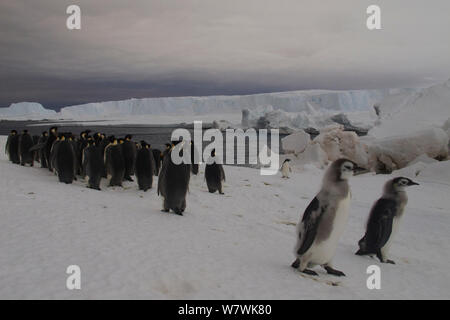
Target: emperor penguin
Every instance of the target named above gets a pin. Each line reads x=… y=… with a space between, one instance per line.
x=286 y=168
x=324 y=220
x=114 y=163
x=384 y=219
x=157 y=157
x=214 y=175
x=42 y=141
x=52 y=136
x=12 y=147
x=92 y=163
x=173 y=182
x=145 y=167
x=129 y=156
x=25 y=144
x=64 y=159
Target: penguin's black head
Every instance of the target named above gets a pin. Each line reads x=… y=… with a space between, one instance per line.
x=286 y=160
x=121 y=140
x=24 y=131
x=45 y=134
x=13 y=132
x=54 y=130
x=128 y=137
x=111 y=139
x=168 y=146
x=403 y=182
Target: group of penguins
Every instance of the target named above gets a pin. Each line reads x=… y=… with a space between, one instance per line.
x=319 y=230
x=97 y=156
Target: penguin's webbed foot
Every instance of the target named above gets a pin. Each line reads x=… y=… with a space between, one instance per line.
x=310 y=272
x=334 y=272
x=296 y=263
x=389 y=261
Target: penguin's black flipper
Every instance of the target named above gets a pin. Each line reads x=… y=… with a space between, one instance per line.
x=222 y=173
x=38 y=146
x=379 y=227
x=310 y=221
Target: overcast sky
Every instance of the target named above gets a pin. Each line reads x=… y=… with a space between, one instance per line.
x=151 y=48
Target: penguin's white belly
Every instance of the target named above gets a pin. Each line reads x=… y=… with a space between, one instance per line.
x=385 y=249
x=323 y=252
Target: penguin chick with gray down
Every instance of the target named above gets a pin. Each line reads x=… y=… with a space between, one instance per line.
x=384 y=219
x=286 y=168
x=324 y=220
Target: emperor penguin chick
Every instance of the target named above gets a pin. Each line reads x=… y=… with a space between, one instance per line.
x=324 y=220
x=384 y=219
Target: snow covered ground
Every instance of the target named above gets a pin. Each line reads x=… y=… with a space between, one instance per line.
x=235 y=246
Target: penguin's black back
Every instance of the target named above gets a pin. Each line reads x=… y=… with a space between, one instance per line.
x=42 y=158
x=173 y=183
x=12 y=148
x=157 y=156
x=25 y=143
x=65 y=161
x=129 y=157
x=48 y=148
x=214 y=175
x=93 y=165
x=115 y=164
x=145 y=168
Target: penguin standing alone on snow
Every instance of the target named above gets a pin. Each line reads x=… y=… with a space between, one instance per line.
x=286 y=168
x=384 y=219
x=324 y=220
x=173 y=182
x=214 y=175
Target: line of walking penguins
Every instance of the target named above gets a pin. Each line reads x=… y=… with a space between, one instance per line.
x=96 y=156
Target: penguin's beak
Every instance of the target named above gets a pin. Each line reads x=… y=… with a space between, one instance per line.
x=358 y=170
x=412 y=183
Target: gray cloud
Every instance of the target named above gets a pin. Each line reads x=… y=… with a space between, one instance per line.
x=149 y=48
